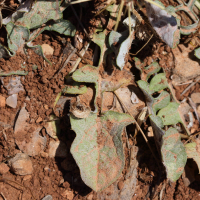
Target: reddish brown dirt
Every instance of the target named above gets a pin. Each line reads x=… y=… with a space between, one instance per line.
x=42 y=86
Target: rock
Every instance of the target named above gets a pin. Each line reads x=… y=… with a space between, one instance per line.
x=195 y=97
x=12 y=101
x=47 y=49
x=21 y=164
x=44 y=154
x=48 y=197
x=27 y=136
x=120 y=185
x=90 y=197
x=14 y=86
x=38 y=120
x=68 y=194
x=57 y=149
x=4 y=168
x=185 y=67
x=2 y=101
x=27 y=177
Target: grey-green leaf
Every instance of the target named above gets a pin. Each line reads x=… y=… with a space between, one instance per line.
x=170 y=114
x=158 y=82
x=173 y=154
x=41 y=12
x=17 y=36
x=98 y=148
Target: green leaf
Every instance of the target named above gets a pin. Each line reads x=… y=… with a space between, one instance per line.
x=158 y=82
x=173 y=154
x=170 y=114
x=161 y=101
x=75 y=89
x=99 y=39
x=150 y=70
x=17 y=36
x=115 y=37
x=123 y=51
x=98 y=148
x=197 y=52
x=20 y=73
x=41 y=12
x=61 y=26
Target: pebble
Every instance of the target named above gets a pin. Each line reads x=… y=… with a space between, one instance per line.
x=4 y=168
x=12 y=101
x=68 y=194
x=44 y=154
x=195 y=97
x=21 y=164
x=120 y=185
x=2 y=101
x=27 y=177
x=57 y=149
x=48 y=197
x=90 y=197
x=38 y=120
x=47 y=49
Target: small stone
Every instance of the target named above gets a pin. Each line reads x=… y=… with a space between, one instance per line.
x=12 y=101
x=120 y=185
x=47 y=49
x=46 y=107
x=150 y=132
x=57 y=149
x=62 y=181
x=48 y=197
x=44 y=154
x=192 y=130
x=2 y=101
x=195 y=97
x=68 y=194
x=66 y=184
x=39 y=119
x=21 y=164
x=27 y=177
x=90 y=197
x=4 y=168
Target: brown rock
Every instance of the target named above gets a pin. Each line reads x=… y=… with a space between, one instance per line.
x=185 y=67
x=90 y=197
x=44 y=154
x=68 y=194
x=4 y=168
x=195 y=97
x=39 y=119
x=120 y=185
x=47 y=49
x=27 y=177
x=2 y=101
x=21 y=164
